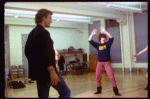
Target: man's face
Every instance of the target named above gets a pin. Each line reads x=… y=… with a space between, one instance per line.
x=48 y=20
x=103 y=39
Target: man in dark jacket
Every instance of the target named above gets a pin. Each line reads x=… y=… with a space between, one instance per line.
x=41 y=58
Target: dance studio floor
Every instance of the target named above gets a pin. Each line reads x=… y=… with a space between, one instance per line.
x=130 y=85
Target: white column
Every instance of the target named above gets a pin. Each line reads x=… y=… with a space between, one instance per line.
x=121 y=40
x=131 y=38
x=127 y=41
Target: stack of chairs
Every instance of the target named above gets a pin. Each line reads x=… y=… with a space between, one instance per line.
x=17 y=71
x=21 y=71
x=14 y=71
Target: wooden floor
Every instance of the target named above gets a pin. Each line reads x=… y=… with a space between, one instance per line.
x=130 y=84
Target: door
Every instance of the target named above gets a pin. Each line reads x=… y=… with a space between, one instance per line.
x=93 y=62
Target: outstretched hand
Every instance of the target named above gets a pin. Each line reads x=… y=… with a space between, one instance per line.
x=94 y=32
x=102 y=29
x=133 y=56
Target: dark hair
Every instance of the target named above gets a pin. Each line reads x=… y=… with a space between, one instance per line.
x=40 y=14
x=100 y=36
x=52 y=41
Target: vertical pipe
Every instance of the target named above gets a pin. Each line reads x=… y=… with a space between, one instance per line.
x=6 y=87
x=6 y=65
x=122 y=48
x=6 y=90
x=129 y=41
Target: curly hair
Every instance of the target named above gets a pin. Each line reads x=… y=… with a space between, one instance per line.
x=40 y=14
x=100 y=36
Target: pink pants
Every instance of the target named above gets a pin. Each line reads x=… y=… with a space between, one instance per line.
x=109 y=71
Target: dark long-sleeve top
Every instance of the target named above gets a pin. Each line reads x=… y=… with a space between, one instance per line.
x=40 y=53
x=103 y=49
x=61 y=62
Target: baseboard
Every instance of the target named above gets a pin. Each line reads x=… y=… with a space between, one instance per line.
x=133 y=69
x=141 y=69
x=117 y=69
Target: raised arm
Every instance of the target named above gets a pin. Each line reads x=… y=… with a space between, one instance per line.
x=141 y=52
x=104 y=31
x=57 y=57
x=92 y=34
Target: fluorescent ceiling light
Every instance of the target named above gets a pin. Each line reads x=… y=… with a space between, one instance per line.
x=31 y=14
x=9 y=14
x=11 y=11
x=69 y=16
x=16 y=16
x=76 y=20
x=26 y=16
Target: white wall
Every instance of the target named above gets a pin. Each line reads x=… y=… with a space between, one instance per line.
x=16 y=44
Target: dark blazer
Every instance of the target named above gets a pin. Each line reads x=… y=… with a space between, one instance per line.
x=40 y=53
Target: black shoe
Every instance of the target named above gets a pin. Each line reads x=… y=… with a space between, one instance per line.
x=117 y=94
x=146 y=88
x=31 y=81
x=99 y=89
x=115 y=89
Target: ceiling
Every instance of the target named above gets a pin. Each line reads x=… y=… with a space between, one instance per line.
x=89 y=6
x=131 y=4
x=78 y=4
